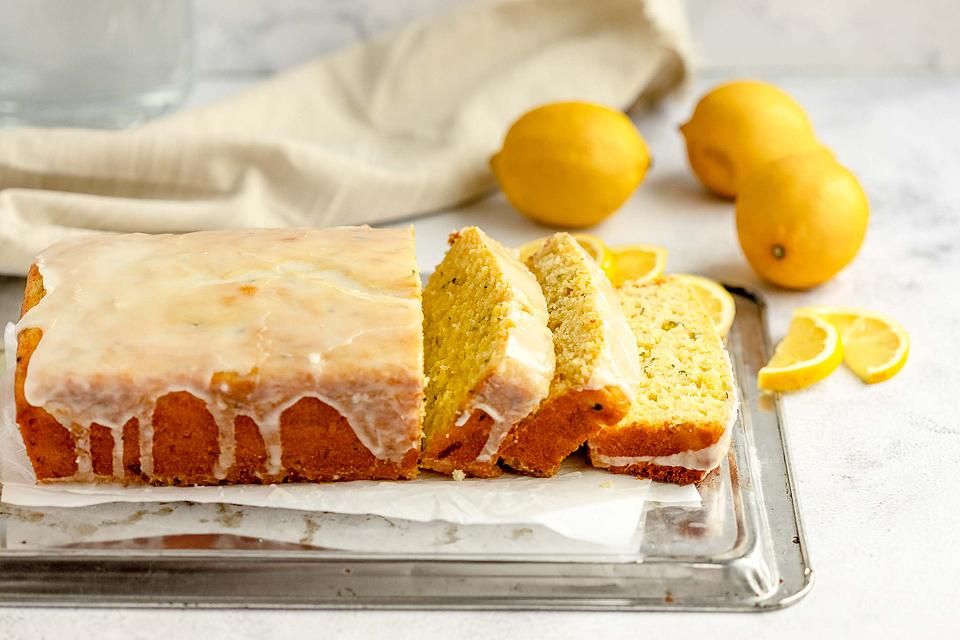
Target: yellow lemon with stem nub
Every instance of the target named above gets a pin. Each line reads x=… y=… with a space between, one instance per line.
x=570 y=164
x=801 y=219
x=740 y=126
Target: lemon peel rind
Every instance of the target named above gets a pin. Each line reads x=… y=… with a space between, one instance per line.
x=792 y=378
x=727 y=302
x=660 y=262
x=880 y=373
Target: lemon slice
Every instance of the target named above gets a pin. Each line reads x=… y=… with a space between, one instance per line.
x=875 y=346
x=809 y=352
x=717 y=300
x=638 y=262
x=594 y=246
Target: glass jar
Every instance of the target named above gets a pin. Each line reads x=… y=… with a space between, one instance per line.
x=93 y=63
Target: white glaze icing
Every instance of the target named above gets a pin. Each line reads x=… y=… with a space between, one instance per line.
x=477 y=405
x=331 y=313
x=522 y=378
x=618 y=364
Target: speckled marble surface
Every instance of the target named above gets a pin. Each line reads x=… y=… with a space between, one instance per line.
x=875 y=465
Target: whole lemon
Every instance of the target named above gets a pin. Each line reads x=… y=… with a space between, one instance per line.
x=740 y=126
x=801 y=219
x=570 y=164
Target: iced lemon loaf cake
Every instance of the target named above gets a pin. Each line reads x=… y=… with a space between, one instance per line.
x=488 y=354
x=597 y=368
x=679 y=426
x=223 y=357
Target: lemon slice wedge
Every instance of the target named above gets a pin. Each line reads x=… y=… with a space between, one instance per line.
x=716 y=300
x=875 y=346
x=594 y=246
x=638 y=262
x=809 y=352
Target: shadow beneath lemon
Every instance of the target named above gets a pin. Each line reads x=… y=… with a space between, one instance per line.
x=681 y=188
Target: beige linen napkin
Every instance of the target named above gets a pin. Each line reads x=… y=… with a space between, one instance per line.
x=389 y=128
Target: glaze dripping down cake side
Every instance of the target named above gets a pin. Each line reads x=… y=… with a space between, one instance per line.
x=217 y=357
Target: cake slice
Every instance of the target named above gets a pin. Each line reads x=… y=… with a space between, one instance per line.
x=488 y=354
x=223 y=357
x=679 y=427
x=597 y=369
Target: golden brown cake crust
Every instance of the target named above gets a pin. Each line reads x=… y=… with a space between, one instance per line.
x=663 y=439
x=49 y=445
x=457 y=449
x=659 y=473
x=320 y=446
x=539 y=444
x=656 y=440
x=318 y=443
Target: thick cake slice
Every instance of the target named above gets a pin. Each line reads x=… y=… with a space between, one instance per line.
x=597 y=370
x=679 y=426
x=487 y=350
x=223 y=357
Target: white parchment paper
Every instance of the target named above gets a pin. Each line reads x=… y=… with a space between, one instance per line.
x=580 y=503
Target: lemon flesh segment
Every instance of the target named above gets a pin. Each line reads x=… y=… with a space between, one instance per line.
x=716 y=300
x=809 y=352
x=594 y=246
x=638 y=262
x=875 y=346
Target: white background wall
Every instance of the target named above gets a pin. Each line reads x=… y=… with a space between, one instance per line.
x=252 y=36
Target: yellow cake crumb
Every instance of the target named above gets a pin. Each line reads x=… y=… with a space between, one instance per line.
x=686 y=398
x=488 y=353
x=597 y=368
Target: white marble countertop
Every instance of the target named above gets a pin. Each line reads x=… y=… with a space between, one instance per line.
x=874 y=465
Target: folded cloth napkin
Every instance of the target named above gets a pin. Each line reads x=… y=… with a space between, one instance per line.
x=389 y=128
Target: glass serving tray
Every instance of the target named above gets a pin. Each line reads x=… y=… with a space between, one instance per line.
x=743 y=549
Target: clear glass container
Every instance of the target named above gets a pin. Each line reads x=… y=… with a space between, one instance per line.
x=93 y=63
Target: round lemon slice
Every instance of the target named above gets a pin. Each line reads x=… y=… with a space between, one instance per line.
x=875 y=346
x=809 y=352
x=594 y=246
x=638 y=262
x=716 y=300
